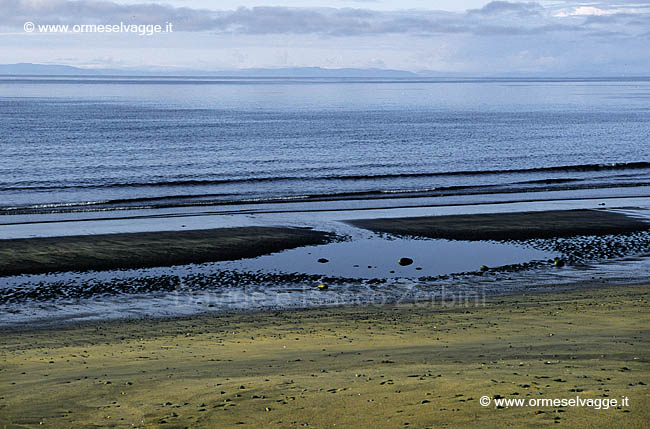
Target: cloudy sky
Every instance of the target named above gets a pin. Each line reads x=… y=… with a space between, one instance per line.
x=471 y=36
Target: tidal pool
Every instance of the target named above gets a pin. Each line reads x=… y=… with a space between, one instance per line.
x=378 y=258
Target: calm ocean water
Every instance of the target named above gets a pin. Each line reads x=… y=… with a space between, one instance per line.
x=78 y=144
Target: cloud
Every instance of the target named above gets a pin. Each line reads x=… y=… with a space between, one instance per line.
x=84 y=11
x=504 y=7
x=498 y=18
x=604 y=8
x=334 y=22
x=487 y=30
x=585 y=10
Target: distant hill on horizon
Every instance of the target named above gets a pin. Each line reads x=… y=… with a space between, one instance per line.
x=297 y=72
x=31 y=69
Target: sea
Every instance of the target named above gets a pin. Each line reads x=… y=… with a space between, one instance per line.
x=98 y=154
x=79 y=144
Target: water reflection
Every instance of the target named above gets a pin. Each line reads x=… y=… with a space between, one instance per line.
x=378 y=258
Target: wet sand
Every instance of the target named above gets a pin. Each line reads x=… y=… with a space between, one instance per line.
x=508 y=226
x=154 y=249
x=417 y=366
x=148 y=249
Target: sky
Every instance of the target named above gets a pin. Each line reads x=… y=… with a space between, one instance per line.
x=455 y=36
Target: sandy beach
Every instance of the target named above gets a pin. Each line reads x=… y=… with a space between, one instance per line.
x=421 y=366
x=424 y=364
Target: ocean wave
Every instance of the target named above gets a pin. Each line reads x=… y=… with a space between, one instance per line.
x=218 y=199
x=344 y=177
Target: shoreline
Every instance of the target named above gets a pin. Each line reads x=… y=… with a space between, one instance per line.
x=134 y=250
x=301 y=206
x=416 y=364
x=147 y=273
x=65 y=323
